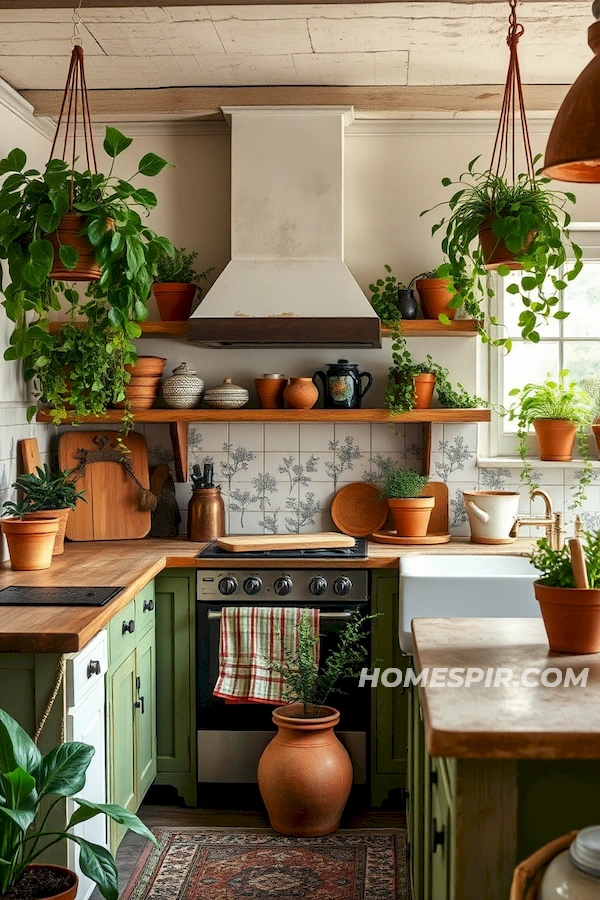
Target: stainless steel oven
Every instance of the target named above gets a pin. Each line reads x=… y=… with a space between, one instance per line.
x=231 y=737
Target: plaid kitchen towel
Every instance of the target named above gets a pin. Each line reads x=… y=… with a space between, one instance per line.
x=250 y=637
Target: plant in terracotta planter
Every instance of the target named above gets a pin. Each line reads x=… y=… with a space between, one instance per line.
x=592 y=387
x=31 y=785
x=175 y=284
x=571 y=614
x=559 y=412
x=305 y=774
x=411 y=511
x=47 y=494
x=517 y=226
x=436 y=293
x=30 y=541
x=393 y=300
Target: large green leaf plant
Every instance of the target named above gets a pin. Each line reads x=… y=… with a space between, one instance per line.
x=31 y=785
x=83 y=370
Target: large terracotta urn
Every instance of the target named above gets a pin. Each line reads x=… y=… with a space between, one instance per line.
x=305 y=773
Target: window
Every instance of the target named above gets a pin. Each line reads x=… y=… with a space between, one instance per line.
x=572 y=343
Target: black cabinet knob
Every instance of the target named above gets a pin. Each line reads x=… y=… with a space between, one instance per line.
x=93 y=667
x=128 y=627
x=148 y=605
x=437 y=837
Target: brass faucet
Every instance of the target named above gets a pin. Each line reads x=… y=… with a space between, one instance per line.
x=552 y=522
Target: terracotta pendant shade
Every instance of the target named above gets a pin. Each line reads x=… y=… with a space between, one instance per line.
x=573 y=150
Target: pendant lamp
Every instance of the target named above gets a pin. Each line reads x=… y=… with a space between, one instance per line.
x=573 y=150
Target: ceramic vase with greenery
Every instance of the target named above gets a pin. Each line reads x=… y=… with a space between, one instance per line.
x=493 y=224
x=77 y=372
x=46 y=493
x=559 y=412
x=175 y=284
x=411 y=511
x=571 y=615
x=392 y=300
x=31 y=786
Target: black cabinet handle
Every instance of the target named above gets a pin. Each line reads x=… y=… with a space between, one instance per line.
x=437 y=837
x=128 y=627
x=433 y=777
x=93 y=667
x=148 y=605
x=139 y=704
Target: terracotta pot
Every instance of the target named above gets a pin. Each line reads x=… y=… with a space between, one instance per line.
x=148 y=366
x=301 y=393
x=63 y=517
x=30 y=542
x=270 y=392
x=424 y=388
x=435 y=297
x=411 y=516
x=139 y=397
x=145 y=381
x=556 y=439
x=68 y=232
x=305 y=774
x=70 y=893
x=174 y=300
x=571 y=618
x=596 y=433
x=495 y=252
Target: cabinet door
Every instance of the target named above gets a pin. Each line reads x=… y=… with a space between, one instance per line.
x=122 y=695
x=145 y=712
x=440 y=834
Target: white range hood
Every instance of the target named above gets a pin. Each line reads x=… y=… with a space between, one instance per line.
x=287 y=284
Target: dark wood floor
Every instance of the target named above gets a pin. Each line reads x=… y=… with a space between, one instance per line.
x=224 y=808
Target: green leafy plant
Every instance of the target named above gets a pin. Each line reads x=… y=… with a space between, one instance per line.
x=520 y=210
x=31 y=786
x=404 y=484
x=555 y=565
x=31 y=206
x=310 y=684
x=16 y=508
x=384 y=299
x=178 y=268
x=47 y=489
x=553 y=400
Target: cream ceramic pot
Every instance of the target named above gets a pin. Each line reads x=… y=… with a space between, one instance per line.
x=575 y=873
x=491 y=515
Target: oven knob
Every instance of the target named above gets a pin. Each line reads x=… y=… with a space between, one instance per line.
x=283 y=585
x=252 y=585
x=342 y=586
x=317 y=585
x=228 y=585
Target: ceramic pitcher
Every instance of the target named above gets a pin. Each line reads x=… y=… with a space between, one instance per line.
x=342 y=385
x=491 y=515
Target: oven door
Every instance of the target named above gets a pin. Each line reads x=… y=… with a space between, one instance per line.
x=232 y=737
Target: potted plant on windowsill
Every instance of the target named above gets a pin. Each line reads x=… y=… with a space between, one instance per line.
x=30 y=541
x=517 y=226
x=410 y=511
x=558 y=411
x=436 y=294
x=305 y=774
x=30 y=782
x=47 y=494
x=175 y=284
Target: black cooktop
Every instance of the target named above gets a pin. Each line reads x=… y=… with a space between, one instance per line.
x=359 y=551
x=21 y=595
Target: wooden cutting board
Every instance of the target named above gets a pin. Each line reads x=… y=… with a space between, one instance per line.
x=244 y=543
x=112 y=511
x=438 y=523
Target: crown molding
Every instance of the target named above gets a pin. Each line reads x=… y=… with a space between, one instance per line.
x=13 y=101
x=164 y=128
x=454 y=125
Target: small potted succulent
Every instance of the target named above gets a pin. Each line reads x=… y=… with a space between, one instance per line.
x=393 y=300
x=558 y=411
x=30 y=541
x=411 y=511
x=47 y=494
x=175 y=284
x=29 y=782
x=436 y=294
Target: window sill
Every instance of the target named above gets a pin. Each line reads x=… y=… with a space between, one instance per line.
x=514 y=462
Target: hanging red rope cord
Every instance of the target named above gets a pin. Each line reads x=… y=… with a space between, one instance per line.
x=513 y=103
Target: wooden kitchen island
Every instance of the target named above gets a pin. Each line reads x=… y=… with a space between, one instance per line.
x=496 y=772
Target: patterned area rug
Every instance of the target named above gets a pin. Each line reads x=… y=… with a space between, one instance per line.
x=257 y=864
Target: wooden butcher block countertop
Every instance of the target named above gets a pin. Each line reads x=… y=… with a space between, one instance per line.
x=515 y=722
x=133 y=564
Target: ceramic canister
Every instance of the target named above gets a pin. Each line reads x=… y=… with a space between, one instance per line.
x=575 y=873
x=183 y=389
x=491 y=515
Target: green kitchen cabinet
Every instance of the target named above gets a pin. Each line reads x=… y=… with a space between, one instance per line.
x=389 y=707
x=176 y=681
x=122 y=782
x=145 y=706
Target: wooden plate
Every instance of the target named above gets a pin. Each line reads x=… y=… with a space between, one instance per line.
x=390 y=537
x=359 y=509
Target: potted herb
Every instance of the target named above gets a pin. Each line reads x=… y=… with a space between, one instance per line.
x=305 y=774
x=60 y=226
x=393 y=300
x=592 y=387
x=558 y=412
x=436 y=293
x=175 y=284
x=47 y=494
x=30 y=782
x=30 y=541
x=411 y=511
x=571 y=614
x=517 y=226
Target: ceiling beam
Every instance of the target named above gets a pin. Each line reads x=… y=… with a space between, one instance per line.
x=195 y=102
x=133 y=4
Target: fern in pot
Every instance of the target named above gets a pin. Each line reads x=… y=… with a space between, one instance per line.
x=175 y=284
x=411 y=511
x=47 y=494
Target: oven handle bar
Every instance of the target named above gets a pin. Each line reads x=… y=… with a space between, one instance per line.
x=213 y=614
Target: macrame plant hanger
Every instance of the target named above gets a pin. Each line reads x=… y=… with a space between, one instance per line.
x=75 y=117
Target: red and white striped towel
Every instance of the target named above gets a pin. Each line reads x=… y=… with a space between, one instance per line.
x=250 y=637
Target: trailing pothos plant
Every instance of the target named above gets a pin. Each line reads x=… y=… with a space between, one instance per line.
x=520 y=211
x=553 y=400
x=83 y=369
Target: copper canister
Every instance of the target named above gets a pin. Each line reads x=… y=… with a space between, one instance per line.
x=206 y=515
